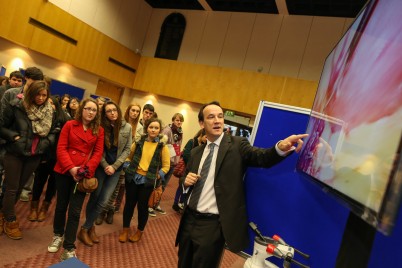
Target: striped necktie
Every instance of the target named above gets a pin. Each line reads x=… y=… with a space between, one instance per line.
x=195 y=194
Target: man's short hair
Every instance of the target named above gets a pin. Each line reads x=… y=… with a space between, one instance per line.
x=34 y=73
x=201 y=112
x=148 y=107
x=181 y=117
x=16 y=74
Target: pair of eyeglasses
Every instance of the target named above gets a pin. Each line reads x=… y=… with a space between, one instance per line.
x=111 y=111
x=88 y=109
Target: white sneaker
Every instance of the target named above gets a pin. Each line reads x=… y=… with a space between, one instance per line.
x=55 y=245
x=24 y=197
x=67 y=254
x=160 y=210
x=151 y=212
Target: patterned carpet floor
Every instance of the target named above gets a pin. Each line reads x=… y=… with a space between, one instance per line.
x=155 y=249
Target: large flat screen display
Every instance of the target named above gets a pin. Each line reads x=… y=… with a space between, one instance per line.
x=353 y=150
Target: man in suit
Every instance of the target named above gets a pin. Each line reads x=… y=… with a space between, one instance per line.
x=215 y=213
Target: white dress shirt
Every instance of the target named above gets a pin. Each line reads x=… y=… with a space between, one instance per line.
x=207 y=202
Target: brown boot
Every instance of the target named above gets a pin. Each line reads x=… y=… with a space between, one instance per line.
x=43 y=211
x=33 y=215
x=123 y=237
x=1 y=223
x=136 y=237
x=12 y=230
x=84 y=237
x=93 y=235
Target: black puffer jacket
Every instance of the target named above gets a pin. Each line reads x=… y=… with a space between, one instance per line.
x=14 y=122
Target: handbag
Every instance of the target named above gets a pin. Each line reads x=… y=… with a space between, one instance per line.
x=179 y=169
x=86 y=185
x=156 y=196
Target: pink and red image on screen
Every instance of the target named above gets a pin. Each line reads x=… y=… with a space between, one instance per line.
x=356 y=121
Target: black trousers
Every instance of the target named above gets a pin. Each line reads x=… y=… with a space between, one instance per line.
x=136 y=194
x=201 y=241
x=67 y=199
x=17 y=172
x=44 y=173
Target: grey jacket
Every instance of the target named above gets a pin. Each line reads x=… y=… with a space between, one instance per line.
x=123 y=147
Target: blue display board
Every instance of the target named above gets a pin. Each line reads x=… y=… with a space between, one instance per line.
x=59 y=88
x=280 y=202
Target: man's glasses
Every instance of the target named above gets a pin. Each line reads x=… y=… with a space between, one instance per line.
x=88 y=109
x=111 y=111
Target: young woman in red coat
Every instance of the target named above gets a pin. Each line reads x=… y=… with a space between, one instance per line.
x=80 y=144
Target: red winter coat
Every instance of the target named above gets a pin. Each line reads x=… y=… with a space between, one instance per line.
x=75 y=145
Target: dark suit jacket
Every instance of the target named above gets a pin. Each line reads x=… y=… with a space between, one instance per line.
x=234 y=156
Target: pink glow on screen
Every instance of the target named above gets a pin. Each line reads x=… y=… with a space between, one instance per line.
x=356 y=123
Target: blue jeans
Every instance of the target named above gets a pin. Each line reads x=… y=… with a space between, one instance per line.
x=98 y=200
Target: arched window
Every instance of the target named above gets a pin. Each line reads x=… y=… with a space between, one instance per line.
x=171 y=36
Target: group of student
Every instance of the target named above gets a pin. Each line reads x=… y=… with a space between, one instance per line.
x=61 y=142
x=97 y=141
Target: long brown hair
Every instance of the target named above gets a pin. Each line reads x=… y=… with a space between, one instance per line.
x=32 y=91
x=95 y=123
x=106 y=124
x=127 y=117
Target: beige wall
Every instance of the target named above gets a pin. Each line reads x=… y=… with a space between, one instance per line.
x=165 y=108
x=14 y=57
x=290 y=46
x=125 y=21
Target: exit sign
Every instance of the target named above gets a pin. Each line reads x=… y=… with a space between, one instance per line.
x=229 y=113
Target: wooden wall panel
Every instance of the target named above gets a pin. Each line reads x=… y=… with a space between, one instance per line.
x=14 y=20
x=90 y=54
x=299 y=93
x=89 y=48
x=235 y=89
x=109 y=90
x=47 y=43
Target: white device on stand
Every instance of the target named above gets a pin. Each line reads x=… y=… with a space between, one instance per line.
x=266 y=247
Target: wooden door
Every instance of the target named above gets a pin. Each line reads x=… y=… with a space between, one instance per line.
x=109 y=90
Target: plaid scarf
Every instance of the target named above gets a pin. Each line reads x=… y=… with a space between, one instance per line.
x=155 y=162
x=41 y=118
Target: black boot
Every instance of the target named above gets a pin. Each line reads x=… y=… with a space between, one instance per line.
x=100 y=218
x=109 y=216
